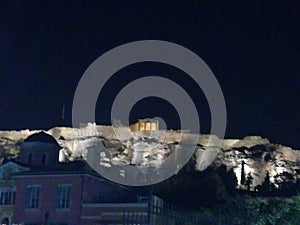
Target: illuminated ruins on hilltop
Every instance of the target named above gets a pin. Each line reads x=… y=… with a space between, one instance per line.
x=145 y=124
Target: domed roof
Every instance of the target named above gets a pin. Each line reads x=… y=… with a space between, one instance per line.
x=41 y=137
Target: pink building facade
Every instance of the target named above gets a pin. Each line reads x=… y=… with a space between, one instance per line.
x=58 y=193
x=53 y=197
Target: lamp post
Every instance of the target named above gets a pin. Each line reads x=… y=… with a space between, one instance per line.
x=47 y=214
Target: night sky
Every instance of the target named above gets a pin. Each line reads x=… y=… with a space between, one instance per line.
x=252 y=48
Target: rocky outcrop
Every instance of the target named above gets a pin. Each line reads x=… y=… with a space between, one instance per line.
x=258 y=161
x=253 y=155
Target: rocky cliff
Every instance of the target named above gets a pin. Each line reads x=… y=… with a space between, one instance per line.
x=252 y=156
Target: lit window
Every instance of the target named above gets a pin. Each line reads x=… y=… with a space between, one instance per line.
x=63 y=197
x=33 y=197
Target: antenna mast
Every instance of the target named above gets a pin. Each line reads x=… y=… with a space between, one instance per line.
x=63 y=112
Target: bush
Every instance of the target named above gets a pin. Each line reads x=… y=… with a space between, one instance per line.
x=255 y=210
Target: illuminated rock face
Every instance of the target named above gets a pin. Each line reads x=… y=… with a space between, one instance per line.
x=151 y=147
x=259 y=160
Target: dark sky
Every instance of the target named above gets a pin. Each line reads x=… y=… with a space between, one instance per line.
x=252 y=48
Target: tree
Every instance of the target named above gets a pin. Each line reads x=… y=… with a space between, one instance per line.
x=249 y=181
x=228 y=178
x=266 y=187
x=243 y=178
x=286 y=184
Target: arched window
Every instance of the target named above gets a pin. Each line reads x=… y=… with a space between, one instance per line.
x=30 y=158
x=44 y=159
x=5 y=221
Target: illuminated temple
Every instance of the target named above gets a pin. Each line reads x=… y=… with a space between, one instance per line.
x=145 y=124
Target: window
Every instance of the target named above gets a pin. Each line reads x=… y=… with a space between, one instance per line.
x=33 y=197
x=30 y=158
x=44 y=159
x=63 y=196
x=7 y=197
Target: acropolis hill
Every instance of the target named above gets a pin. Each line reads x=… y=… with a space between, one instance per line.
x=259 y=155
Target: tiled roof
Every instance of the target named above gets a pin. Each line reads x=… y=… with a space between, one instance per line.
x=75 y=167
